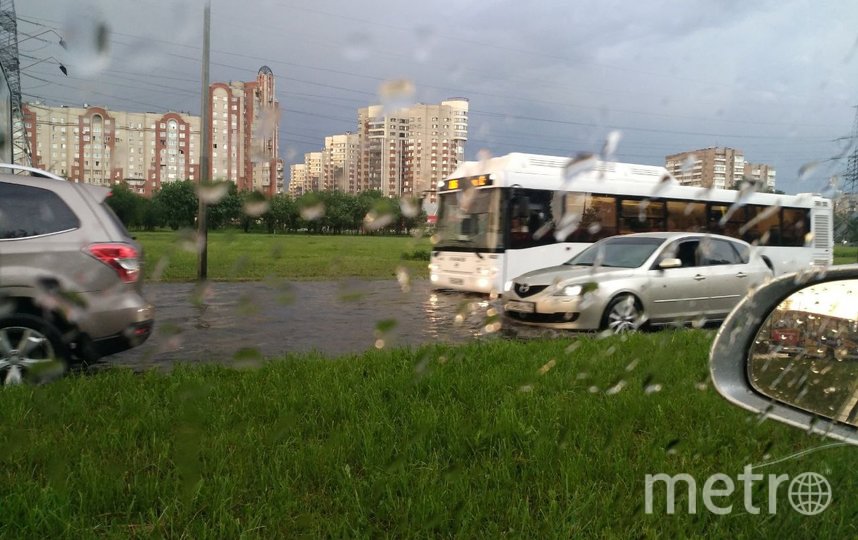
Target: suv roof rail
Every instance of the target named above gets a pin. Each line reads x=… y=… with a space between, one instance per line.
x=32 y=170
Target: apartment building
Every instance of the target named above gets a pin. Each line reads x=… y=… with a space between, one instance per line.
x=297 y=179
x=718 y=167
x=97 y=146
x=762 y=175
x=406 y=152
x=100 y=146
x=340 y=160
x=245 y=127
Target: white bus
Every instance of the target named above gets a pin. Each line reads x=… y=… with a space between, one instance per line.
x=505 y=216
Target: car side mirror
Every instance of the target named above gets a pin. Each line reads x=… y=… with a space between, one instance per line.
x=789 y=351
x=670 y=263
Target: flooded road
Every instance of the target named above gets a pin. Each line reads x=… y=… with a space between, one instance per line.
x=245 y=322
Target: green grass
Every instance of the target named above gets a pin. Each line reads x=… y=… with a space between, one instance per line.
x=482 y=440
x=236 y=256
x=845 y=255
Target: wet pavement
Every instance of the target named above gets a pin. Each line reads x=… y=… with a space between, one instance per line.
x=235 y=323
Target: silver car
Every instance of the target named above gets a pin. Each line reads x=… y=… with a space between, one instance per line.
x=70 y=276
x=623 y=282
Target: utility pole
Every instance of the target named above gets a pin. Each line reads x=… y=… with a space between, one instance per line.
x=205 y=144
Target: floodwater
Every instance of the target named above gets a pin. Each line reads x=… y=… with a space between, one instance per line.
x=246 y=322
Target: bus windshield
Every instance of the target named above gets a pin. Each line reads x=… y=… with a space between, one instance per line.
x=470 y=220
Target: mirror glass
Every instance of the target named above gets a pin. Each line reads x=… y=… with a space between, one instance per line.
x=806 y=352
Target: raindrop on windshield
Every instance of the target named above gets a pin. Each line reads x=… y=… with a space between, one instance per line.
x=396 y=95
x=806 y=171
x=87 y=39
x=358 y=47
x=580 y=164
x=426 y=41
x=612 y=141
x=212 y=193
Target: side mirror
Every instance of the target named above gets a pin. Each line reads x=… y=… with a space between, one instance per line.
x=790 y=352
x=670 y=263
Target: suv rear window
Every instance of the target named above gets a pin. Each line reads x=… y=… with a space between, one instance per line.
x=27 y=211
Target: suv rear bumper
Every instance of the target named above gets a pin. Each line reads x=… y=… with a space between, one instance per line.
x=134 y=335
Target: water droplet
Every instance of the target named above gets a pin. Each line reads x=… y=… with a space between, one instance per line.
x=652 y=388
x=396 y=95
x=404 y=279
x=829 y=390
x=580 y=164
x=87 y=38
x=255 y=209
x=616 y=389
x=593 y=389
x=611 y=143
x=807 y=170
x=525 y=388
x=426 y=40
x=313 y=212
x=374 y=220
x=379 y=343
x=358 y=47
x=633 y=364
x=409 y=207
x=688 y=163
x=573 y=346
x=547 y=366
x=671 y=446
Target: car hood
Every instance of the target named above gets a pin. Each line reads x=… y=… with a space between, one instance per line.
x=565 y=273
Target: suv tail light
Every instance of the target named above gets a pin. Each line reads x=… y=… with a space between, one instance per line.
x=121 y=257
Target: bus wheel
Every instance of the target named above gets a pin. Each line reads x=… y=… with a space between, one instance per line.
x=624 y=314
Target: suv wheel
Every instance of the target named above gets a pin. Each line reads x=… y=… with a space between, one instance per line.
x=31 y=350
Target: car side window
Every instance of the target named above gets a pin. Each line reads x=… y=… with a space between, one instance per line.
x=27 y=211
x=715 y=251
x=684 y=250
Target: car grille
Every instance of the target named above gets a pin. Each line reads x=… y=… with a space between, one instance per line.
x=543 y=317
x=529 y=290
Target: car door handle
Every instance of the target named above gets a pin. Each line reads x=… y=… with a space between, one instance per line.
x=699 y=277
x=741 y=275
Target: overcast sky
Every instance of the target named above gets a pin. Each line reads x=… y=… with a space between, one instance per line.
x=776 y=79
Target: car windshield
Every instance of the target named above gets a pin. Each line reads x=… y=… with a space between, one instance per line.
x=376 y=254
x=617 y=253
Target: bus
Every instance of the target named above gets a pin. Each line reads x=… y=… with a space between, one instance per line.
x=504 y=216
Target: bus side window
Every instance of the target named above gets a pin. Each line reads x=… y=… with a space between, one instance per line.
x=795 y=225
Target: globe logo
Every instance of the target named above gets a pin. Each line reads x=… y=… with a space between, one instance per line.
x=809 y=493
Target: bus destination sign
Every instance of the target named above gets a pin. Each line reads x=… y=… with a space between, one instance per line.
x=459 y=183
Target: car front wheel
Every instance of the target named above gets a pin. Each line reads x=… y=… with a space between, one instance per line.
x=31 y=350
x=624 y=314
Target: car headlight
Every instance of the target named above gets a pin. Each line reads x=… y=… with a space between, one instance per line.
x=570 y=290
x=507 y=286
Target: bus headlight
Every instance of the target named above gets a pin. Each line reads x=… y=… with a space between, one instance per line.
x=433 y=278
x=570 y=290
x=433 y=267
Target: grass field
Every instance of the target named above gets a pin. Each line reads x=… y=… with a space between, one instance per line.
x=845 y=255
x=534 y=440
x=236 y=256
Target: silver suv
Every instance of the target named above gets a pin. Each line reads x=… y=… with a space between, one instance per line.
x=70 y=276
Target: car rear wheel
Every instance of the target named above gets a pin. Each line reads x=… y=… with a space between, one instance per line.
x=624 y=314
x=31 y=350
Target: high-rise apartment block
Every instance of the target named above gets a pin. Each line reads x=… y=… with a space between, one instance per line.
x=340 y=160
x=717 y=167
x=245 y=118
x=99 y=146
x=399 y=153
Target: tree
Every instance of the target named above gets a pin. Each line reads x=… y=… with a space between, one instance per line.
x=126 y=204
x=178 y=203
x=227 y=210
